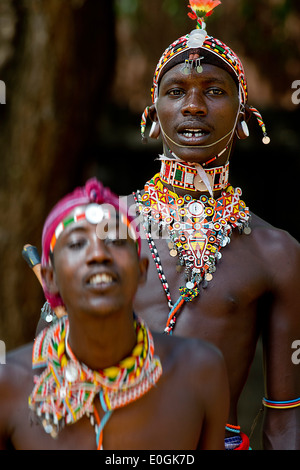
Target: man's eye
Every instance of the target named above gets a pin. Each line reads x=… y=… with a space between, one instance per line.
x=215 y=91
x=115 y=241
x=175 y=92
x=76 y=244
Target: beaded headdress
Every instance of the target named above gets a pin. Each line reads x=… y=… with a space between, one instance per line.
x=92 y=195
x=197 y=48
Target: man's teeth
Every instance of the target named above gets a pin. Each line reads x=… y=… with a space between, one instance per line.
x=193 y=133
x=100 y=279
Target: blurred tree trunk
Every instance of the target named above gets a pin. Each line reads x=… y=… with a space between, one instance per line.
x=56 y=59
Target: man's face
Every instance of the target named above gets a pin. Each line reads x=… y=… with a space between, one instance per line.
x=96 y=276
x=196 y=110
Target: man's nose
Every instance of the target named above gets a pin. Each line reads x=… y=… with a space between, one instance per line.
x=194 y=104
x=98 y=251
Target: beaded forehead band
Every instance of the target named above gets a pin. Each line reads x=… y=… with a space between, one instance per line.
x=196 y=48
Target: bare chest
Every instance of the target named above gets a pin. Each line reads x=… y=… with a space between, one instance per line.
x=144 y=423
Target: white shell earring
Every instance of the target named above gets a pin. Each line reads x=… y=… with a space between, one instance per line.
x=245 y=128
x=152 y=129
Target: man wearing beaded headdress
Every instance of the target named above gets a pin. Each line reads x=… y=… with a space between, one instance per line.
x=220 y=272
x=100 y=378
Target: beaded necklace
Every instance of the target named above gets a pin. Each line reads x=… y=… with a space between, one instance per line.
x=66 y=389
x=196 y=230
x=185 y=176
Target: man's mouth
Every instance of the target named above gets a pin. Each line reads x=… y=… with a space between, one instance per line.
x=193 y=133
x=100 y=279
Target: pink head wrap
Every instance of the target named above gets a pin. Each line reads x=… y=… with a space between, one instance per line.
x=92 y=192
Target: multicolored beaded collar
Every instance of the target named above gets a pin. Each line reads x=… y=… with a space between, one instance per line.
x=196 y=230
x=66 y=389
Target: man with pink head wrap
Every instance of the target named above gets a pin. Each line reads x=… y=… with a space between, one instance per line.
x=70 y=390
x=92 y=195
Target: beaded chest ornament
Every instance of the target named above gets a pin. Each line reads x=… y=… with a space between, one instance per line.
x=66 y=389
x=196 y=230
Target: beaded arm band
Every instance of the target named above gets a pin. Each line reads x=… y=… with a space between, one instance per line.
x=281 y=405
x=232 y=428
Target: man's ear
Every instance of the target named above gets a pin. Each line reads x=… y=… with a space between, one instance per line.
x=155 y=128
x=144 y=263
x=49 y=278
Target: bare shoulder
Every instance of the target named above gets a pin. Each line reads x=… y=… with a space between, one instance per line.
x=16 y=379
x=271 y=236
x=16 y=370
x=276 y=246
x=21 y=356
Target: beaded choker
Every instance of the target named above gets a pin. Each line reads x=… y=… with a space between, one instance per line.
x=66 y=389
x=184 y=176
x=195 y=229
